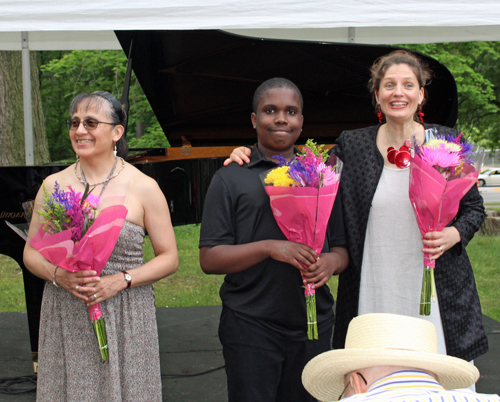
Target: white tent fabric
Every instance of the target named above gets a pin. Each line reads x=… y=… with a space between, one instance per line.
x=56 y=24
x=90 y=15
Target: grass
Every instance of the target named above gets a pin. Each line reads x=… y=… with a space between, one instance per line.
x=495 y=206
x=191 y=287
x=484 y=253
x=11 y=286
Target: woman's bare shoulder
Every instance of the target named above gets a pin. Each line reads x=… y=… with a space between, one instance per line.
x=144 y=191
x=64 y=178
x=140 y=180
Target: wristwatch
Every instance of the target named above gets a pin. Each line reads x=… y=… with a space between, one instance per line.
x=128 y=279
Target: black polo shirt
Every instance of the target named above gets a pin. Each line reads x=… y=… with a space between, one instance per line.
x=270 y=293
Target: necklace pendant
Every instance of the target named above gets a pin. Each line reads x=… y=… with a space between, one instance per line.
x=401 y=157
x=391 y=154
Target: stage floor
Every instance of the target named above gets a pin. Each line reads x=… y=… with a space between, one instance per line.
x=191 y=355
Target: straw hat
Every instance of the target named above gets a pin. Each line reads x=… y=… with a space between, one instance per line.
x=385 y=340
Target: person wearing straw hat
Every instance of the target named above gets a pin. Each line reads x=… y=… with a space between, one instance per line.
x=391 y=357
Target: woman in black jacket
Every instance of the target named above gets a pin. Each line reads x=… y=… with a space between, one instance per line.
x=386 y=260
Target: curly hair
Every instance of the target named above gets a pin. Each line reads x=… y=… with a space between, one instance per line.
x=381 y=65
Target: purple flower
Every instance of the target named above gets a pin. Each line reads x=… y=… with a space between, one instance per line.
x=308 y=169
x=440 y=156
x=60 y=197
x=281 y=161
x=300 y=174
x=446 y=151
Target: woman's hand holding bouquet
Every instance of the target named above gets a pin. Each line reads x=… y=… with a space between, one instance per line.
x=442 y=171
x=77 y=238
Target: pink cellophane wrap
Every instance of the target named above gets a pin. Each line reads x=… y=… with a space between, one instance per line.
x=90 y=253
x=302 y=213
x=435 y=200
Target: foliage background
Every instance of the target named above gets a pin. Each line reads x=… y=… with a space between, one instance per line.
x=66 y=74
x=475 y=68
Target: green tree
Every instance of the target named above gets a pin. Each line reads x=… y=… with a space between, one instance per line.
x=66 y=74
x=474 y=66
x=12 y=145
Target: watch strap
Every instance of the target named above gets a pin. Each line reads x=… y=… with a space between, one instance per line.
x=127 y=276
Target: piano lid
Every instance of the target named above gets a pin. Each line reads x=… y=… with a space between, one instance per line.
x=200 y=83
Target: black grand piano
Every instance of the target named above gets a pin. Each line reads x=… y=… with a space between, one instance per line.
x=200 y=85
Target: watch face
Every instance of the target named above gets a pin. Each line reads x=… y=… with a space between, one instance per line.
x=128 y=278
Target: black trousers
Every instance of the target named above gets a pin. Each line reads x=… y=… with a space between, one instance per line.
x=262 y=366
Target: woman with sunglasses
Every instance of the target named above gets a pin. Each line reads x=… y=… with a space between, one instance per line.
x=70 y=366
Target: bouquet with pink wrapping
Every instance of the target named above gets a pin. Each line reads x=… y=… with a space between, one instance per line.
x=75 y=237
x=442 y=171
x=302 y=193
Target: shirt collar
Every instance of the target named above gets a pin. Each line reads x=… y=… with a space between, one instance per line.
x=258 y=157
x=414 y=378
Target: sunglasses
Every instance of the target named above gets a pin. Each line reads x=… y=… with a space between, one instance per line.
x=88 y=124
x=345 y=389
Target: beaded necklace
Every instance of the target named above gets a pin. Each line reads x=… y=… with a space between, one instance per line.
x=111 y=176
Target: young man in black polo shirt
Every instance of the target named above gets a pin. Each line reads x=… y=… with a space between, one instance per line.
x=263 y=326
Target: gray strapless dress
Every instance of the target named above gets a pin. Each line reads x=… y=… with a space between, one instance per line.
x=70 y=366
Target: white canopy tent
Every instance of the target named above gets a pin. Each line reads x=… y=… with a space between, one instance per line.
x=55 y=24
x=68 y=25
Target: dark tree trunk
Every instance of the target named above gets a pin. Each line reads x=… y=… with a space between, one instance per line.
x=12 y=144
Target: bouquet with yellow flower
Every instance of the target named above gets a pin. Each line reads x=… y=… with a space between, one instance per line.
x=302 y=193
x=75 y=237
x=442 y=171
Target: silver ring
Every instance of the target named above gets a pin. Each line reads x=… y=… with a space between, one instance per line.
x=95 y=297
x=441 y=248
x=77 y=286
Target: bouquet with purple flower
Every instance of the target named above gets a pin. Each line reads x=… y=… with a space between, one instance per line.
x=74 y=236
x=442 y=171
x=302 y=193
x=68 y=210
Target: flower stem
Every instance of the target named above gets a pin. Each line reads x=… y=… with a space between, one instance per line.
x=312 y=326
x=100 y=333
x=433 y=286
x=425 y=296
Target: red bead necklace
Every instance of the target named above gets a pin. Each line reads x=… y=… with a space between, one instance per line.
x=401 y=157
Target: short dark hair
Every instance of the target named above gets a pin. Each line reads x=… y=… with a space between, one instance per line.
x=115 y=112
x=276 y=82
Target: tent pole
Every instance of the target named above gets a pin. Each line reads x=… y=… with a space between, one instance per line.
x=351 y=33
x=28 y=114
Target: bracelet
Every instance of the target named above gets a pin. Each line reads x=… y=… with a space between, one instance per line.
x=54 y=277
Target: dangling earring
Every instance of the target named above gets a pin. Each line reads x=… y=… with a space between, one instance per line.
x=380 y=115
x=420 y=113
x=114 y=148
